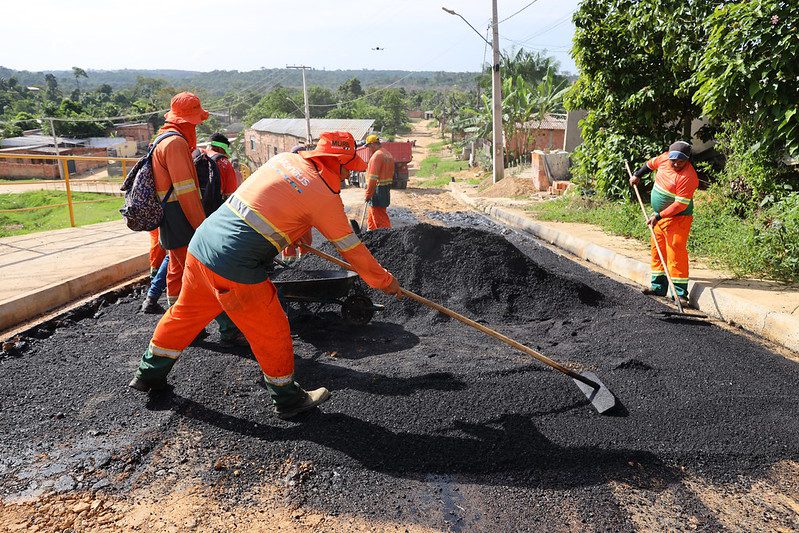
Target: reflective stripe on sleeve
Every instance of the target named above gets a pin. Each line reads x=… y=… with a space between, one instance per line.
x=682 y=200
x=258 y=222
x=182 y=187
x=347 y=242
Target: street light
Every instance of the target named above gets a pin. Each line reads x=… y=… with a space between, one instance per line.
x=496 y=91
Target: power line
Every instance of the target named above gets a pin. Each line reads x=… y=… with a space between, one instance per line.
x=519 y=11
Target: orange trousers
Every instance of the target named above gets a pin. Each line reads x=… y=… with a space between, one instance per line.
x=377 y=218
x=254 y=308
x=157 y=253
x=672 y=237
x=174 y=273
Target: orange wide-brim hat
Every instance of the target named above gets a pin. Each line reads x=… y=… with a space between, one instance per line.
x=186 y=108
x=338 y=145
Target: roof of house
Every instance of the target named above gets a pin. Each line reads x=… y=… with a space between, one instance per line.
x=295 y=127
x=105 y=142
x=36 y=140
x=550 y=122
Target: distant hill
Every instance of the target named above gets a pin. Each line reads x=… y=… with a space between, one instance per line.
x=218 y=82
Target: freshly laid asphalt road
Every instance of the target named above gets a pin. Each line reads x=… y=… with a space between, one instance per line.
x=431 y=424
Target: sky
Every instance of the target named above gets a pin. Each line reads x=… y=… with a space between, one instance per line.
x=244 y=35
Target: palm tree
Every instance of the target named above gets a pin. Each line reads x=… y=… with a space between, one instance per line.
x=78 y=73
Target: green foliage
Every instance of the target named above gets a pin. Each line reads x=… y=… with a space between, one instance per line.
x=22 y=222
x=775 y=246
x=435 y=166
x=749 y=70
x=636 y=61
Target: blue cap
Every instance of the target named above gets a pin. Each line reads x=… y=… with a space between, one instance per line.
x=676 y=154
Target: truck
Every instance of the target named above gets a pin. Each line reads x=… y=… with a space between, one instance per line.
x=402 y=153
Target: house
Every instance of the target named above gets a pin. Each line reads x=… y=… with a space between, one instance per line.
x=48 y=168
x=140 y=132
x=271 y=136
x=545 y=134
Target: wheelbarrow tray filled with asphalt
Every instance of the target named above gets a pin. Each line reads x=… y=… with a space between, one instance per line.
x=329 y=287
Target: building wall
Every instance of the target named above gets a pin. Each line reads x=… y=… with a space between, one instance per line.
x=141 y=133
x=543 y=139
x=46 y=168
x=259 y=146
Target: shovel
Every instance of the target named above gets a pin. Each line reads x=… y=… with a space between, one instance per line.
x=358 y=228
x=600 y=397
x=680 y=312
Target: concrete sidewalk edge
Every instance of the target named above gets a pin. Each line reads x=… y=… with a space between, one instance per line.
x=719 y=303
x=39 y=301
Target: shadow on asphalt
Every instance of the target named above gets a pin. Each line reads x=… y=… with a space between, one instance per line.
x=500 y=448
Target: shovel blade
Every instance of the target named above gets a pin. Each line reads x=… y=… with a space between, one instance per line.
x=601 y=398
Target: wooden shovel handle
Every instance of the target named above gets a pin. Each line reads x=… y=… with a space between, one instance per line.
x=469 y=322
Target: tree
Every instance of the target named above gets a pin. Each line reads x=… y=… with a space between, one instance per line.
x=636 y=61
x=51 y=92
x=350 y=89
x=78 y=73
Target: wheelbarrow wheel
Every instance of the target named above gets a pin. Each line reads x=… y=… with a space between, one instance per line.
x=357 y=309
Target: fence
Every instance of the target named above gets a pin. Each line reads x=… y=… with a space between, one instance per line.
x=62 y=162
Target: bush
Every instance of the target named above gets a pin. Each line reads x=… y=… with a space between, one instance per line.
x=775 y=247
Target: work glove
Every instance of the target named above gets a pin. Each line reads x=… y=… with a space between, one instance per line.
x=393 y=288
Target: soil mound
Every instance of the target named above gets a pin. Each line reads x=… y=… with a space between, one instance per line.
x=509 y=188
x=474 y=272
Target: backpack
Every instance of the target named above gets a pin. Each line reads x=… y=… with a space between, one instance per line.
x=142 y=210
x=210 y=180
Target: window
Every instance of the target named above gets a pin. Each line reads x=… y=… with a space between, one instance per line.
x=252 y=143
x=275 y=150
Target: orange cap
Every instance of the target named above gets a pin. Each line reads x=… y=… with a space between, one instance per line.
x=338 y=144
x=186 y=108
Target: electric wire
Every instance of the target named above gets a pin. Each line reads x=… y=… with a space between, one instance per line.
x=516 y=13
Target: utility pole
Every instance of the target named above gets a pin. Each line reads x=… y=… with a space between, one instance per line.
x=496 y=91
x=496 y=98
x=57 y=151
x=305 y=97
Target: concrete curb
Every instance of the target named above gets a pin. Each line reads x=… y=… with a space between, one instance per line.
x=717 y=302
x=38 y=302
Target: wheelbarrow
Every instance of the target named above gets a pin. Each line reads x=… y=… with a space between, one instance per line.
x=330 y=287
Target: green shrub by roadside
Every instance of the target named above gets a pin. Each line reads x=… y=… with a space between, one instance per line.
x=22 y=222
x=765 y=246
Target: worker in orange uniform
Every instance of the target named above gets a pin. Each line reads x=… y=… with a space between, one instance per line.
x=229 y=257
x=157 y=253
x=379 y=175
x=174 y=170
x=673 y=205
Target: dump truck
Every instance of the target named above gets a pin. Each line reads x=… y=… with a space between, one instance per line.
x=402 y=153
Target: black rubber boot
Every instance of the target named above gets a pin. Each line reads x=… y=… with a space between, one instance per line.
x=151 y=306
x=142 y=385
x=651 y=292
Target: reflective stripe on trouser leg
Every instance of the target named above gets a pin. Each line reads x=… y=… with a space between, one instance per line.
x=196 y=306
x=156 y=363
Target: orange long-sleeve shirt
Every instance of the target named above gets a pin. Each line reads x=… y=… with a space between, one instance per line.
x=380 y=171
x=173 y=166
x=274 y=208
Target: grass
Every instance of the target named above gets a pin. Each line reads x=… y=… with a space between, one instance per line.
x=719 y=237
x=438 y=169
x=22 y=222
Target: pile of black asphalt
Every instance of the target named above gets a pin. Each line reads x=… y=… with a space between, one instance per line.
x=430 y=422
